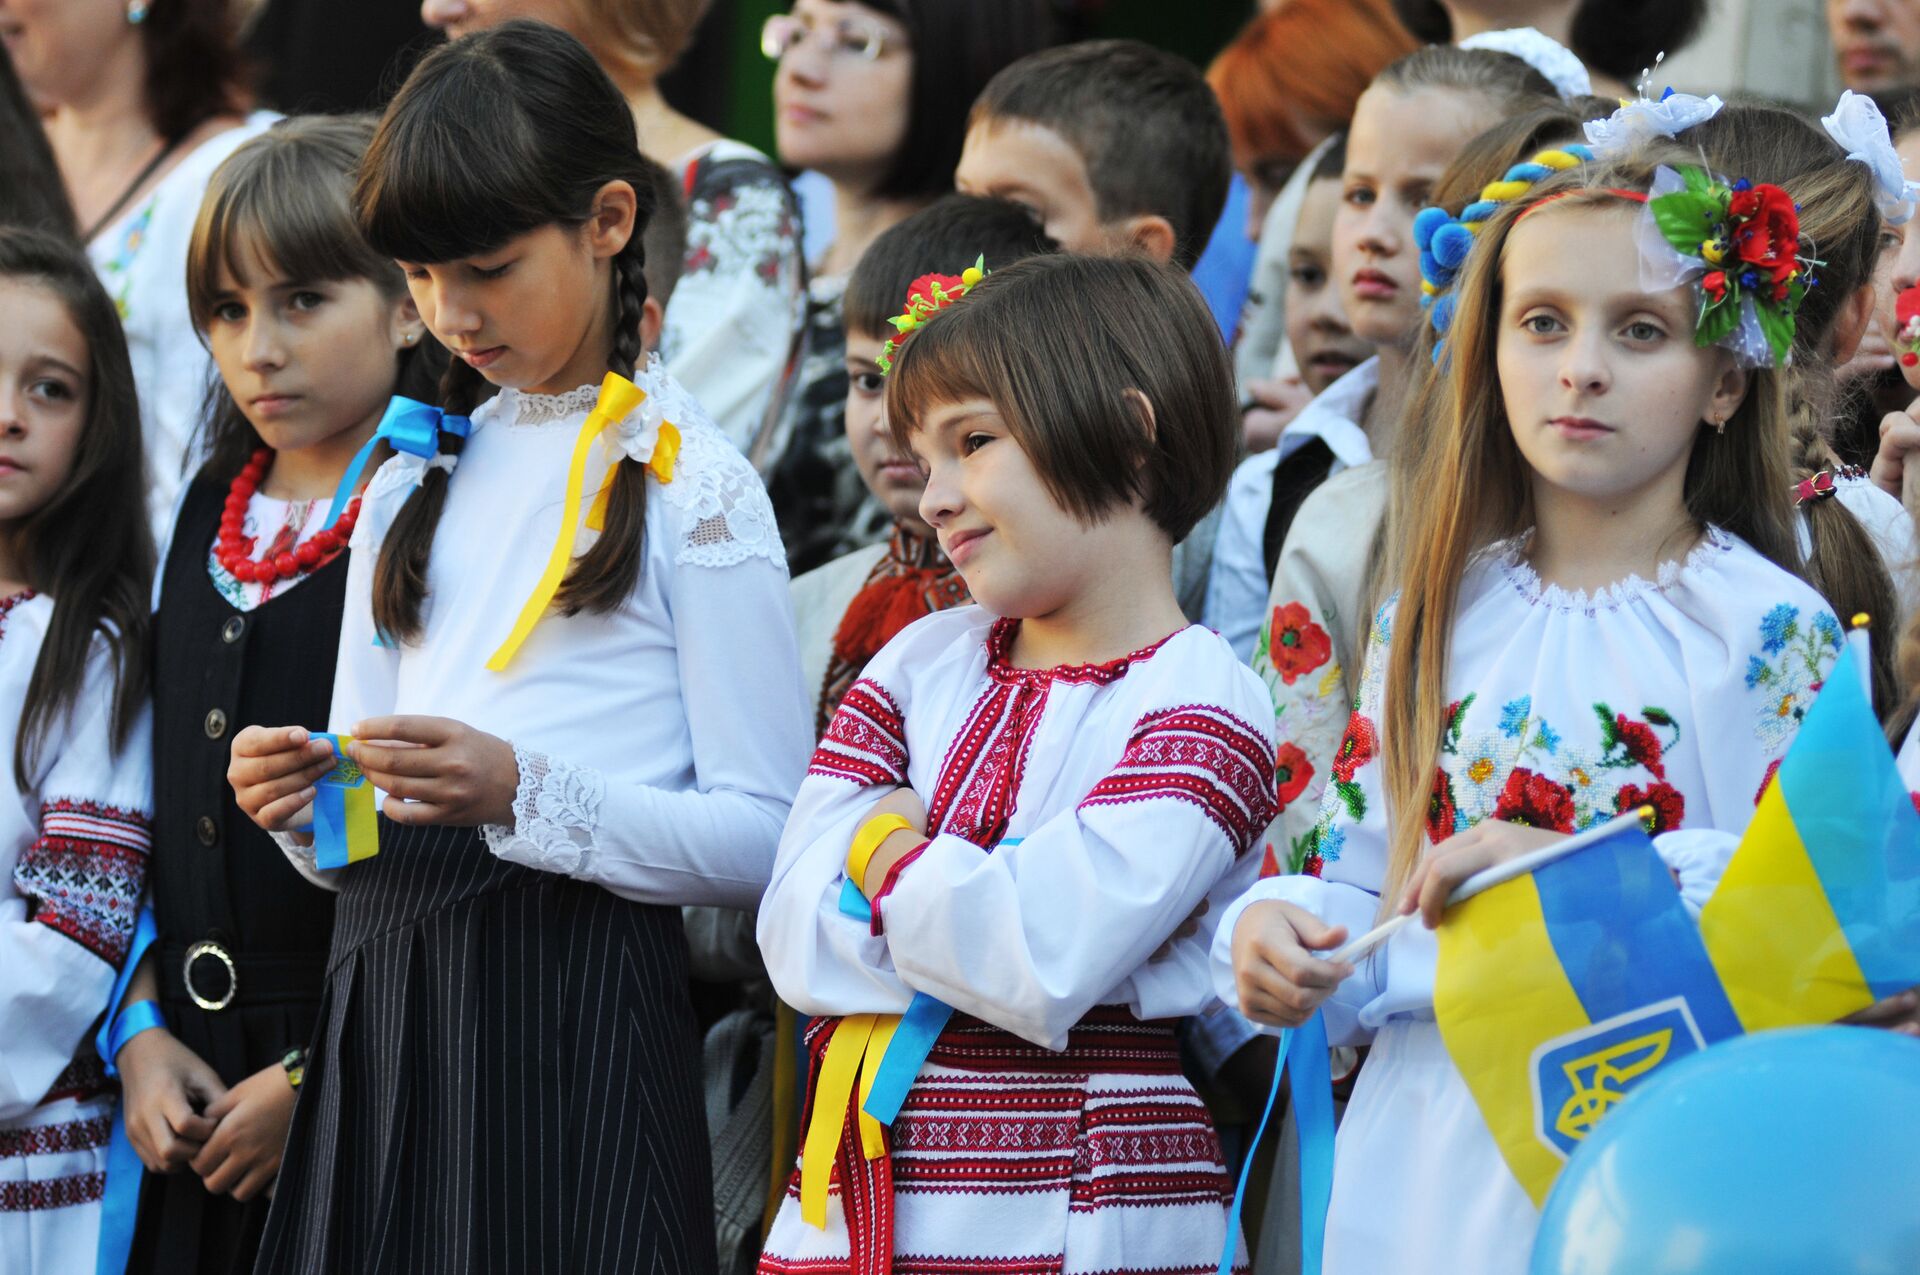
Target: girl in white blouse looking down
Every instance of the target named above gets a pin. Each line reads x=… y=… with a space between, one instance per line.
x=1601 y=610
x=557 y=779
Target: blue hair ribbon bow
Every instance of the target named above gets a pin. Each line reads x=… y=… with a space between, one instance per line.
x=407 y=426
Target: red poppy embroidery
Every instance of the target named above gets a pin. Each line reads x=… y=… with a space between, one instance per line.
x=1669 y=805
x=1297 y=645
x=1642 y=745
x=1443 y=812
x=1291 y=772
x=1358 y=746
x=1536 y=801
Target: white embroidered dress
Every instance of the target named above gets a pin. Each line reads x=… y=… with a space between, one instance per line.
x=73 y=861
x=658 y=745
x=1082 y=814
x=1680 y=693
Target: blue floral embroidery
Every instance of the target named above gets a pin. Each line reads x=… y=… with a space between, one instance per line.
x=1513 y=717
x=1781 y=626
x=1786 y=685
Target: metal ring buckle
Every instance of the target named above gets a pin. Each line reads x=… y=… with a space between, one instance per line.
x=218 y=953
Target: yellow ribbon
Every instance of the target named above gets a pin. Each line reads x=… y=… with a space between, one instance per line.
x=854 y=1052
x=866 y=843
x=618 y=398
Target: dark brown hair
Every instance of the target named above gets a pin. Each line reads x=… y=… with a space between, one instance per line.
x=957 y=47
x=90 y=545
x=286 y=196
x=1061 y=345
x=31 y=192
x=1143 y=120
x=665 y=238
x=1620 y=38
x=945 y=237
x=194 y=69
x=493 y=136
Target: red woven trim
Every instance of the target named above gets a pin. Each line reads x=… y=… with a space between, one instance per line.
x=1000 y=646
x=892 y=879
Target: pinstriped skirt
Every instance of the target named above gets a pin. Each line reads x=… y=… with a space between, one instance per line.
x=504 y=1078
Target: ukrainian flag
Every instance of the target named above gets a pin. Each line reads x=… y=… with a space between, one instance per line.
x=1559 y=992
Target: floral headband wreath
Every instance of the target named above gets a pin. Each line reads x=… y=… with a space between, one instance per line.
x=926 y=297
x=1444 y=240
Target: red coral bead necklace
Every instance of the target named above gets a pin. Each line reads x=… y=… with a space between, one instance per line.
x=234 y=549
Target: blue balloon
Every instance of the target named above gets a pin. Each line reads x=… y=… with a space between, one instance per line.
x=1781 y=1153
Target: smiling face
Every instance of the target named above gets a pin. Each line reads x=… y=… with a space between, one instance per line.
x=304 y=360
x=1399 y=146
x=834 y=110
x=1876 y=43
x=1323 y=342
x=894 y=479
x=59 y=47
x=1019 y=551
x=44 y=396
x=1605 y=390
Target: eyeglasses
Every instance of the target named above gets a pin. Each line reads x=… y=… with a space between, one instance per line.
x=783 y=33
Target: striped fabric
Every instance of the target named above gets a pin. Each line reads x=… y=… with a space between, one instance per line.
x=1016 y=1160
x=505 y=1079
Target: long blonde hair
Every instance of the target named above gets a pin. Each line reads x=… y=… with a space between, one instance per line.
x=1470 y=488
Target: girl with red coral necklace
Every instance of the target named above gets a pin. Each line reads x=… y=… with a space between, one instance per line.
x=310 y=330
x=1601 y=608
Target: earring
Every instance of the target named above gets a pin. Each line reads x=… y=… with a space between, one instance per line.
x=1719 y=426
x=137 y=11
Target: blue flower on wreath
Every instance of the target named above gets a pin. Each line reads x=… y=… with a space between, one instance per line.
x=1780 y=627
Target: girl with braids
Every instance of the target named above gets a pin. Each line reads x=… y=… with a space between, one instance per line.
x=76 y=559
x=505 y=1071
x=1600 y=609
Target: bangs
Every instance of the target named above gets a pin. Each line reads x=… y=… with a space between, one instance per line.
x=948 y=360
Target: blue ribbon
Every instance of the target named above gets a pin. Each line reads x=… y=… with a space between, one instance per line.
x=1303 y=1050
x=408 y=426
x=913 y=1040
x=120 y=1202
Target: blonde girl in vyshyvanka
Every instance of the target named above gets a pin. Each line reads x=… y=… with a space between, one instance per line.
x=1018 y=805
x=76 y=559
x=1600 y=609
x=505 y=1074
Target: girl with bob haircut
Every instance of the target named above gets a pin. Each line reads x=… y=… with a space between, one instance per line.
x=1019 y=803
x=567 y=747
x=76 y=559
x=311 y=330
x=1600 y=609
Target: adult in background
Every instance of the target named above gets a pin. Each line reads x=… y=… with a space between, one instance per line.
x=737 y=310
x=141 y=100
x=1876 y=43
x=30 y=191
x=1286 y=83
x=875 y=98
x=1616 y=39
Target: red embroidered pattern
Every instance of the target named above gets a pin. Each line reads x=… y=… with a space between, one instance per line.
x=84 y=1077
x=866 y=744
x=980 y=778
x=51 y=1139
x=51 y=1193
x=83 y=876
x=1203 y=756
x=1000 y=667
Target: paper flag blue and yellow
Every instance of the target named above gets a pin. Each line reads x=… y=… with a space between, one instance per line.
x=346 y=827
x=1559 y=992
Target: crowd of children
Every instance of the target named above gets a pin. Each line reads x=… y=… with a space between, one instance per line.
x=362 y=834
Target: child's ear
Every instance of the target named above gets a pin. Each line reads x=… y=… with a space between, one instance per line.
x=653 y=317
x=1729 y=392
x=611 y=218
x=1850 y=325
x=1149 y=423
x=406 y=327
x=1149 y=233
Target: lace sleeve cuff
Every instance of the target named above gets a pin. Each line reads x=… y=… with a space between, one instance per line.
x=301 y=857
x=556 y=809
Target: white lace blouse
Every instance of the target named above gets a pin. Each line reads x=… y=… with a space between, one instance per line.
x=660 y=745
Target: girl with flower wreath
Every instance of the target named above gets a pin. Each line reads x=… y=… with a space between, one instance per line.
x=1600 y=609
x=568 y=747
x=984 y=890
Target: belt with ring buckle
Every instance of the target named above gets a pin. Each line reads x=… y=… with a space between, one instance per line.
x=220 y=954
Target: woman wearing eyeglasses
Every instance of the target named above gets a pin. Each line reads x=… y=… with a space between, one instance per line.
x=735 y=314
x=874 y=97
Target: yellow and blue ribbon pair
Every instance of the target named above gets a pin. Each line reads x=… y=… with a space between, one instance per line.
x=618 y=398
x=407 y=426
x=346 y=827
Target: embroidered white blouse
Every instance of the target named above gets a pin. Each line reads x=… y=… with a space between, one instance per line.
x=1237 y=582
x=73 y=861
x=1080 y=815
x=659 y=746
x=1679 y=693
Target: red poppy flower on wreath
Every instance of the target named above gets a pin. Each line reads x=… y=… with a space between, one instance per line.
x=1641 y=744
x=1669 y=805
x=1295 y=643
x=1536 y=801
x=1358 y=746
x=1443 y=813
x=1769 y=239
x=1291 y=771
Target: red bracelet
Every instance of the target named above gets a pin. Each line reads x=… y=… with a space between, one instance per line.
x=891 y=879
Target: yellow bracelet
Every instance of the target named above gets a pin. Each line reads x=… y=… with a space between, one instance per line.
x=867 y=841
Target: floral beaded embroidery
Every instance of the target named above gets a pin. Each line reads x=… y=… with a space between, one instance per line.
x=1797 y=655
